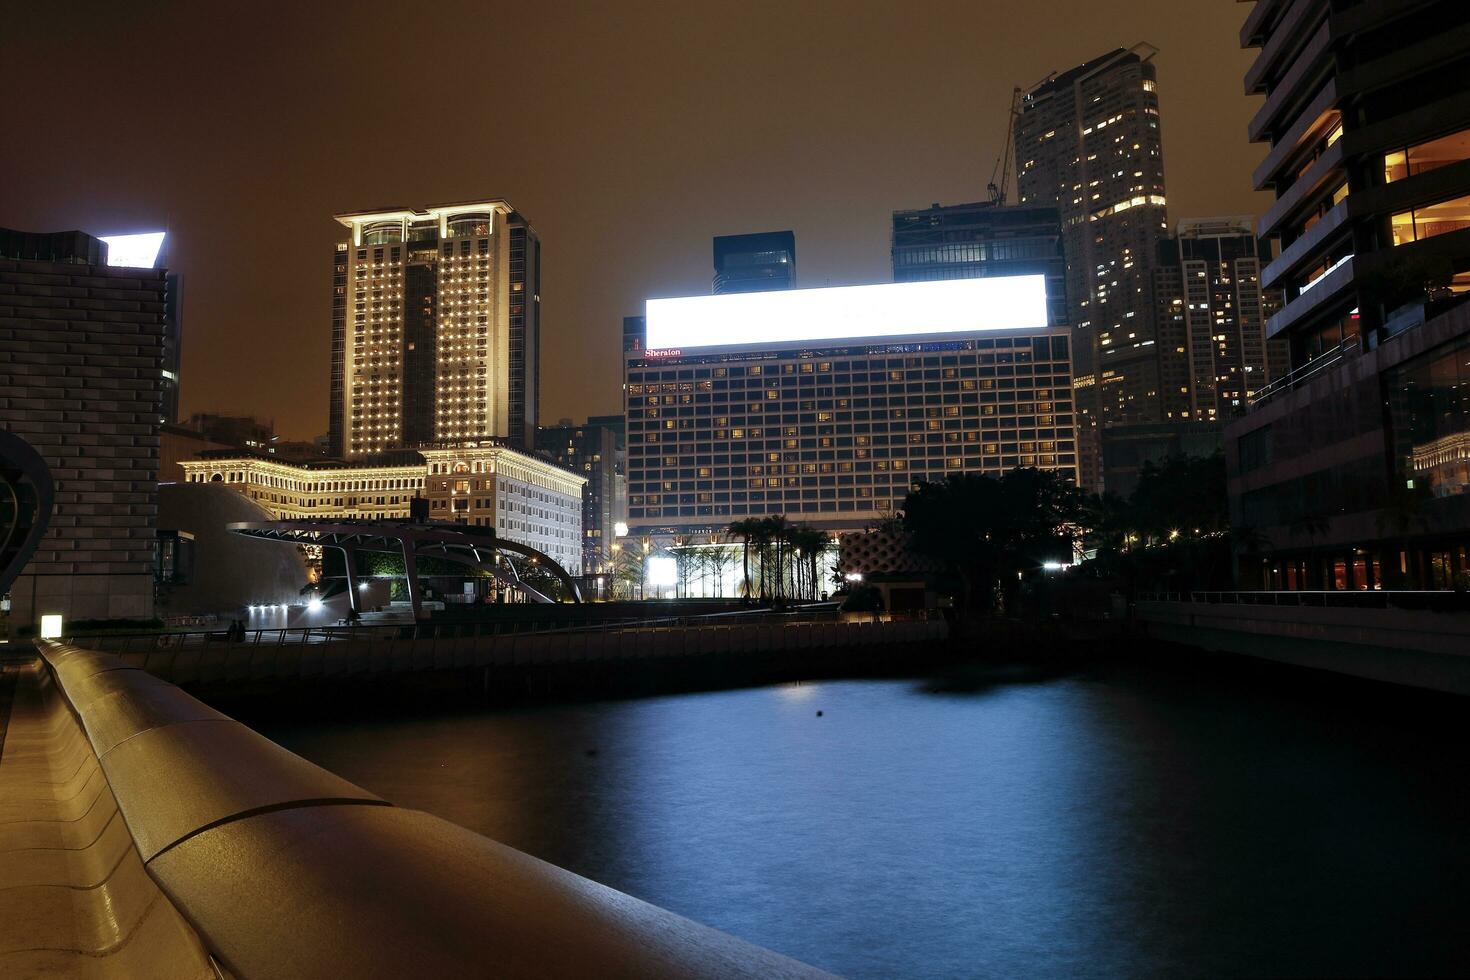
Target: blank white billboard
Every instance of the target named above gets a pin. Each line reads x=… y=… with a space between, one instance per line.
x=901 y=309
x=134 y=251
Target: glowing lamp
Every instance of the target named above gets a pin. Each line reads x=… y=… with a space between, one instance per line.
x=51 y=627
x=662 y=570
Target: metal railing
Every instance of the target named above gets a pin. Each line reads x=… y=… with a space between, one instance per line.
x=1357 y=599
x=303 y=635
x=1348 y=348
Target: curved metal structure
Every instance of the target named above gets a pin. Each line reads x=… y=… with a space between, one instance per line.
x=26 y=500
x=476 y=547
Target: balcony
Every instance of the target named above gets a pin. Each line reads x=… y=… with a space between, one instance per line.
x=1314 y=120
x=1302 y=251
x=1330 y=163
x=1289 y=89
x=1331 y=288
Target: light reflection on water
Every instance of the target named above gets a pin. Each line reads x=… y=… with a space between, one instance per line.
x=1136 y=818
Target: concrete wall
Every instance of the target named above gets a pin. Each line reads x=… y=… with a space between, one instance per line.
x=1415 y=648
x=230 y=571
x=81 y=351
x=221 y=665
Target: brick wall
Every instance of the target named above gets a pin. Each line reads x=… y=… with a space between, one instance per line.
x=81 y=348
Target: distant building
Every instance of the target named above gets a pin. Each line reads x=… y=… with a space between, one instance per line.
x=1211 y=314
x=633 y=331
x=755 y=263
x=591 y=450
x=963 y=241
x=1088 y=143
x=241 y=431
x=828 y=405
x=524 y=498
x=1126 y=449
x=619 y=426
x=435 y=328
x=81 y=381
x=1355 y=468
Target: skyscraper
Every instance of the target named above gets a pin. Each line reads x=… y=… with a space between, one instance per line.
x=964 y=241
x=435 y=328
x=755 y=263
x=1211 y=314
x=1088 y=141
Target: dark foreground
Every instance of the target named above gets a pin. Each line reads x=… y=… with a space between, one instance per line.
x=1167 y=813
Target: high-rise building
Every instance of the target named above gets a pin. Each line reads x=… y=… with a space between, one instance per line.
x=81 y=381
x=828 y=406
x=435 y=328
x=1355 y=468
x=1088 y=142
x=1211 y=314
x=590 y=450
x=964 y=241
x=755 y=263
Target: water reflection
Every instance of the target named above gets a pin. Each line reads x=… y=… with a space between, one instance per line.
x=1213 y=817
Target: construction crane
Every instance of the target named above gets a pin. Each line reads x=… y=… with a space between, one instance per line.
x=1002 y=166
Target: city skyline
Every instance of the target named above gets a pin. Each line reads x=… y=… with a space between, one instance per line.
x=624 y=212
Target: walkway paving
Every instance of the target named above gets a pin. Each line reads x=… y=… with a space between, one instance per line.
x=75 y=900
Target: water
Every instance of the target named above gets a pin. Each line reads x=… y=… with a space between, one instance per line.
x=1171 y=815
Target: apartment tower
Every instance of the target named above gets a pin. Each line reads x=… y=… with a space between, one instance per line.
x=1088 y=142
x=1211 y=314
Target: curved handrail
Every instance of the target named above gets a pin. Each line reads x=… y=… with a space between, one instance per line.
x=284 y=869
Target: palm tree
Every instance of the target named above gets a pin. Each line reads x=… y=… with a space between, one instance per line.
x=745 y=530
x=778 y=532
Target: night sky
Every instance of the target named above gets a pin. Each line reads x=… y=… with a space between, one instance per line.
x=628 y=133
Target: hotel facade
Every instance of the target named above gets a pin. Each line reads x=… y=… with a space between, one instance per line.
x=524 y=498
x=435 y=328
x=835 y=403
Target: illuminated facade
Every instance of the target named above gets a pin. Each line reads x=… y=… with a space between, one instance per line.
x=435 y=328
x=1088 y=142
x=524 y=498
x=834 y=433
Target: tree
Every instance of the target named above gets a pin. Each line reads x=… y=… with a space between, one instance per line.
x=987 y=530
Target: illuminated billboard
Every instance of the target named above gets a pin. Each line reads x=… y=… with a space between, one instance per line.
x=901 y=309
x=134 y=251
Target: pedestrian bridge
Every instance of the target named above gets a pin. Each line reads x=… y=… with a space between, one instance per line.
x=479 y=548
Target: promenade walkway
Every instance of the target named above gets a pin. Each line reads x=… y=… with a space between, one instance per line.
x=75 y=900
